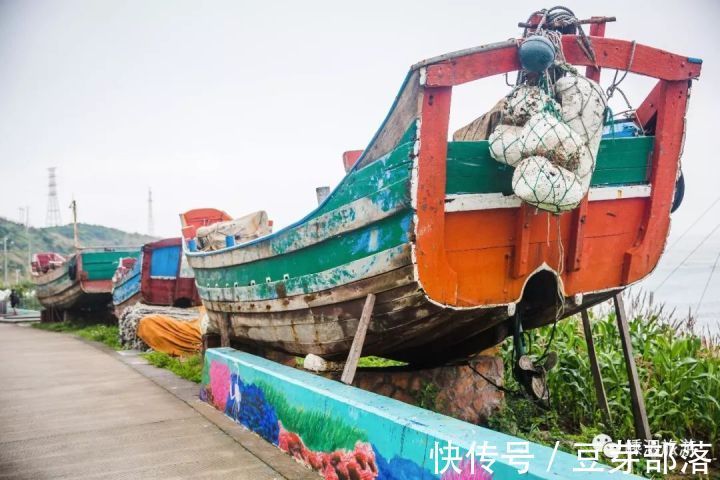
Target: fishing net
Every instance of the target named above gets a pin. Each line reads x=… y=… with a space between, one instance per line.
x=550 y=132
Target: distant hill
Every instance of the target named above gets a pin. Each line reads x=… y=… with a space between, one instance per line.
x=57 y=239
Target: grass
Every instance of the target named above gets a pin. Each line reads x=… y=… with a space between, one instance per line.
x=679 y=373
x=319 y=431
x=189 y=368
x=105 y=334
x=371 y=361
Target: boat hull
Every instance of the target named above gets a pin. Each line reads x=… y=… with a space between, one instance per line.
x=81 y=283
x=432 y=229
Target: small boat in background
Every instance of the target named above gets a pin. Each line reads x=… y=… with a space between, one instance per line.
x=158 y=276
x=79 y=283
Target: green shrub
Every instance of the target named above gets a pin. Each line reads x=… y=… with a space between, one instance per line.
x=189 y=368
x=105 y=334
x=679 y=374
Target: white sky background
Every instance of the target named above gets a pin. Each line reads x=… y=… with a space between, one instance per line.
x=246 y=106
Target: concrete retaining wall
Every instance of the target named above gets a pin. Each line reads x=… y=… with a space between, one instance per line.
x=347 y=433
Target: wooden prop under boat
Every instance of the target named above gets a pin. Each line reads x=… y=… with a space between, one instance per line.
x=430 y=227
x=83 y=281
x=159 y=277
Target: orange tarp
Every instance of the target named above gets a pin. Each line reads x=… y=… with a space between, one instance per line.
x=165 y=334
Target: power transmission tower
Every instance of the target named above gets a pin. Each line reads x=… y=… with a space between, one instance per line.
x=52 y=218
x=151 y=224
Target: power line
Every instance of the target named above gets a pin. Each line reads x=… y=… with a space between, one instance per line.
x=707 y=284
x=693 y=224
x=688 y=256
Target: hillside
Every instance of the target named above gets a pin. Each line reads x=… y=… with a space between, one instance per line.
x=57 y=239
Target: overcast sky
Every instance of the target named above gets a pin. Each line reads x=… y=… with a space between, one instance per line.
x=249 y=105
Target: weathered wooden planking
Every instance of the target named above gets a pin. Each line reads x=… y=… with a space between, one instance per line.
x=333 y=253
x=364 y=267
x=364 y=212
x=386 y=281
x=128 y=302
x=63 y=299
x=404 y=328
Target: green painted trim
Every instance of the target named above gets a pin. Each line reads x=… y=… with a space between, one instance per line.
x=102 y=265
x=334 y=252
x=471 y=169
x=390 y=169
x=366 y=267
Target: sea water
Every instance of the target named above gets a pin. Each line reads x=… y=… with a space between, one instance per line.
x=681 y=276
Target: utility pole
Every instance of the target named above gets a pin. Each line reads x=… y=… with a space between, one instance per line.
x=29 y=240
x=151 y=223
x=5 y=242
x=73 y=206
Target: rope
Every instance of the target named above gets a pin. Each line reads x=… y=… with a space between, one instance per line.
x=707 y=283
x=693 y=224
x=615 y=83
x=688 y=256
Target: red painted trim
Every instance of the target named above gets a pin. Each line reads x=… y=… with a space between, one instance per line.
x=669 y=133
x=647 y=110
x=440 y=281
x=609 y=53
x=350 y=157
x=436 y=275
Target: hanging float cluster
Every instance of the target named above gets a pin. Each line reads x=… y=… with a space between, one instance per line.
x=550 y=132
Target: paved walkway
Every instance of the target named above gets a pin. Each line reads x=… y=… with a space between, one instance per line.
x=69 y=409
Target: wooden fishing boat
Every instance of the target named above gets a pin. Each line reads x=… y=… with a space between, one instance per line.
x=160 y=276
x=431 y=227
x=81 y=282
x=126 y=284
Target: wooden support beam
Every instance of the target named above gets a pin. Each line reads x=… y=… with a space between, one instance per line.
x=642 y=427
x=348 y=374
x=595 y=369
x=224 y=330
x=209 y=340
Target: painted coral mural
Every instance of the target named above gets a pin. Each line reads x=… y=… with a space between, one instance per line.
x=329 y=445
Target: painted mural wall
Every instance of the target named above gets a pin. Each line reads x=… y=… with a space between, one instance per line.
x=345 y=433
